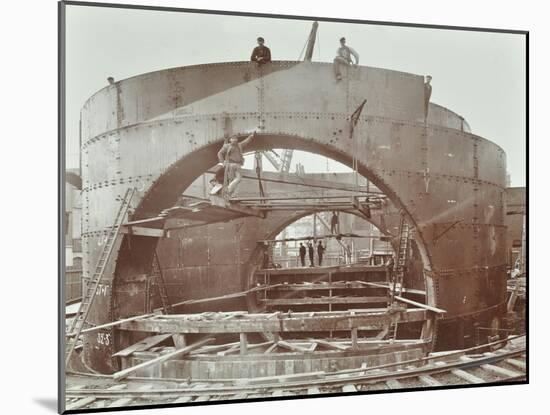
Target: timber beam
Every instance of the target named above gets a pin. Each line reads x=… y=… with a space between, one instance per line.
x=278 y=322
x=323 y=300
x=142 y=231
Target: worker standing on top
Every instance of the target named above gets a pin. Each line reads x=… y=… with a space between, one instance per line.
x=261 y=54
x=310 y=252
x=343 y=57
x=320 y=252
x=334 y=224
x=302 y=254
x=427 y=96
x=231 y=157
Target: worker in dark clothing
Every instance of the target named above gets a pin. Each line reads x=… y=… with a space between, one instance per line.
x=334 y=224
x=427 y=96
x=231 y=157
x=320 y=252
x=261 y=54
x=302 y=254
x=310 y=252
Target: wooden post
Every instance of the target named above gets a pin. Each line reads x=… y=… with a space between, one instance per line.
x=354 y=344
x=427 y=329
x=179 y=341
x=314 y=227
x=244 y=343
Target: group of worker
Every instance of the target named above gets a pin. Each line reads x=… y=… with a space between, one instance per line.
x=262 y=54
x=230 y=156
x=311 y=251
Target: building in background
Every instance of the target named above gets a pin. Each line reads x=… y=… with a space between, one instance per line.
x=73 y=242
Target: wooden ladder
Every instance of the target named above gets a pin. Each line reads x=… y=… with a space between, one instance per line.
x=392 y=332
x=402 y=256
x=156 y=273
x=78 y=323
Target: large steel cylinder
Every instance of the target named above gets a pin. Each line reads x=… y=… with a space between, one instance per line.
x=159 y=131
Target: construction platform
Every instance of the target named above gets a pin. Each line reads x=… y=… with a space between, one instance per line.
x=192 y=211
x=196 y=213
x=330 y=288
x=229 y=345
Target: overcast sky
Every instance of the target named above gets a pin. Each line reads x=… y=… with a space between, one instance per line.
x=481 y=76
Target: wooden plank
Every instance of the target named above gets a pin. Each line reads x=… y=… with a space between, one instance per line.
x=142 y=345
x=320 y=286
x=394 y=384
x=420 y=305
x=234 y=207
x=271 y=348
x=244 y=343
x=241 y=395
x=203 y=398
x=179 y=341
x=120 y=402
x=232 y=349
x=183 y=399
x=282 y=378
x=117 y=387
x=236 y=346
x=500 y=371
x=468 y=377
x=349 y=388
x=145 y=221
x=111 y=324
x=296 y=323
x=429 y=381
x=323 y=300
x=518 y=364
x=292 y=347
x=354 y=345
x=81 y=403
x=124 y=373
x=330 y=345
x=142 y=231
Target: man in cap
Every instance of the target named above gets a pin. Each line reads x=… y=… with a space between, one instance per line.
x=231 y=157
x=261 y=54
x=343 y=57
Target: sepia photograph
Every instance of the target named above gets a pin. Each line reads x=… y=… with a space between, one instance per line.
x=270 y=207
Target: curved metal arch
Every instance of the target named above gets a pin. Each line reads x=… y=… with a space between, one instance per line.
x=169 y=186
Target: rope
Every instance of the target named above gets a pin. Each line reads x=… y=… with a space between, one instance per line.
x=303 y=49
x=258 y=157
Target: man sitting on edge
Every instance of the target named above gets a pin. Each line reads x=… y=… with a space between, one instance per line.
x=231 y=157
x=343 y=57
x=261 y=54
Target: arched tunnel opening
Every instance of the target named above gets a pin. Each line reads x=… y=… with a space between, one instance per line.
x=222 y=267
x=345 y=265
